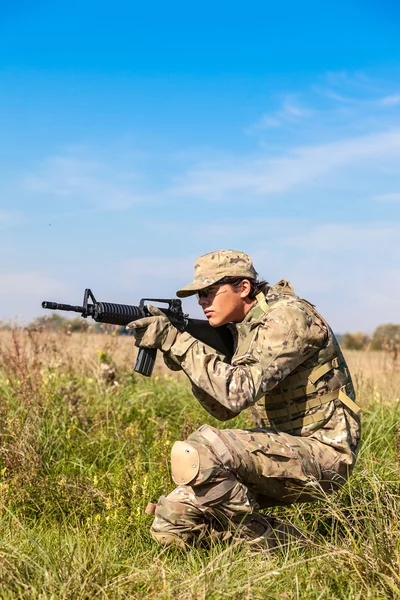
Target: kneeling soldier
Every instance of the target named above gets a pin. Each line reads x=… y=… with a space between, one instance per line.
x=288 y=366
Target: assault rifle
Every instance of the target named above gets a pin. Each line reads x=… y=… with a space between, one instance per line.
x=219 y=338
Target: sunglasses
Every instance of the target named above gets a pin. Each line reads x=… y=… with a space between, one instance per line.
x=207 y=292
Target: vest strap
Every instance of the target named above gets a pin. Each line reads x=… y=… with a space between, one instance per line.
x=308 y=404
x=219 y=446
x=293 y=409
x=344 y=398
x=299 y=423
x=323 y=369
x=291 y=394
x=262 y=302
x=304 y=376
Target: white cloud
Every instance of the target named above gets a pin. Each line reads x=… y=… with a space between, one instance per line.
x=392 y=100
x=8 y=217
x=159 y=278
x=344 y=268
x=394 y=197
x=264 y=176
x=4 y=216
x=162 y=267
x=351 y=80
x=290 y=112
x=266 y=122
x=67 y=178
x=347 y=237
x=30 y=283
x=327 y=92
x=21 y=293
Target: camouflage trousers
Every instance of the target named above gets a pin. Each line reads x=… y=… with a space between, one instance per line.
x=238 y=472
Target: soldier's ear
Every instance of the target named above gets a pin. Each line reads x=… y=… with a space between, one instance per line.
x=246 y=288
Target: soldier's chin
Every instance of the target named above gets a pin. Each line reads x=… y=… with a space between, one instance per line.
x=213 y=320
x=216 y=321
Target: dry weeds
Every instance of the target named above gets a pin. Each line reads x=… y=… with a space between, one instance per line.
x=84 y=445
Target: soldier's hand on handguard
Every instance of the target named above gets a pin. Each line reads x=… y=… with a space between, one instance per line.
x=155 y=331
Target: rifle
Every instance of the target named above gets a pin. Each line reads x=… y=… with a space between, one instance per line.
x=219 y=338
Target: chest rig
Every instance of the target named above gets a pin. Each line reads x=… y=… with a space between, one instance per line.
x=307 y=397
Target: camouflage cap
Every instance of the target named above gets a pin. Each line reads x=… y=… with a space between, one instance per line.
x=212 y=267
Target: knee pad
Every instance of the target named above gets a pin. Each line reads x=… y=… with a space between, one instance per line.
x=193 y=463
x=203 y=458
x=185 y=463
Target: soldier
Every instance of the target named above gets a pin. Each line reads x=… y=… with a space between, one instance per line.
x=287 y=366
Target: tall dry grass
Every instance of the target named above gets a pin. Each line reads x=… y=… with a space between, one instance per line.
x=85 y=445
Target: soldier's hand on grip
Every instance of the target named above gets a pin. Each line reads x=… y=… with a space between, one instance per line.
x=153 y=332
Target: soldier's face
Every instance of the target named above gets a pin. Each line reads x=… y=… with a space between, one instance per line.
x=224 y=304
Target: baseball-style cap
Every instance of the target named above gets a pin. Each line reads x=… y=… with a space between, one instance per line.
x=212 y=267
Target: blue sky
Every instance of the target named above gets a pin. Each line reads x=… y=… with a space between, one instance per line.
x=134 y=138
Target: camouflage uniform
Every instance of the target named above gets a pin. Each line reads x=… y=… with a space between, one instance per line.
x=288 y=367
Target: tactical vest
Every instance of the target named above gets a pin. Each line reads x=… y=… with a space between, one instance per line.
x=308 y=396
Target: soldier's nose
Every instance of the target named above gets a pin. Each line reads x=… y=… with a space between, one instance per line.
x=204 y=302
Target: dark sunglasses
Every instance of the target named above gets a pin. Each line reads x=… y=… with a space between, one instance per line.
x=210 y=291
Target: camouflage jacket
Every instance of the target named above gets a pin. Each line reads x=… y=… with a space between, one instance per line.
x=287 y=364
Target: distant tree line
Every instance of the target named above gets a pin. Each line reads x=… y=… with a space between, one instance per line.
x=54 y=322
x=385 y=337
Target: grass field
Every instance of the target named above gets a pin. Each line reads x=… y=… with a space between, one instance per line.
x=85 y=445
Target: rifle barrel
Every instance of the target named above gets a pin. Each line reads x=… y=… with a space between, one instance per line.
x=56 y=306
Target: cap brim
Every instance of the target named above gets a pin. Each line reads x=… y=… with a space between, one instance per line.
x=192 y=288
